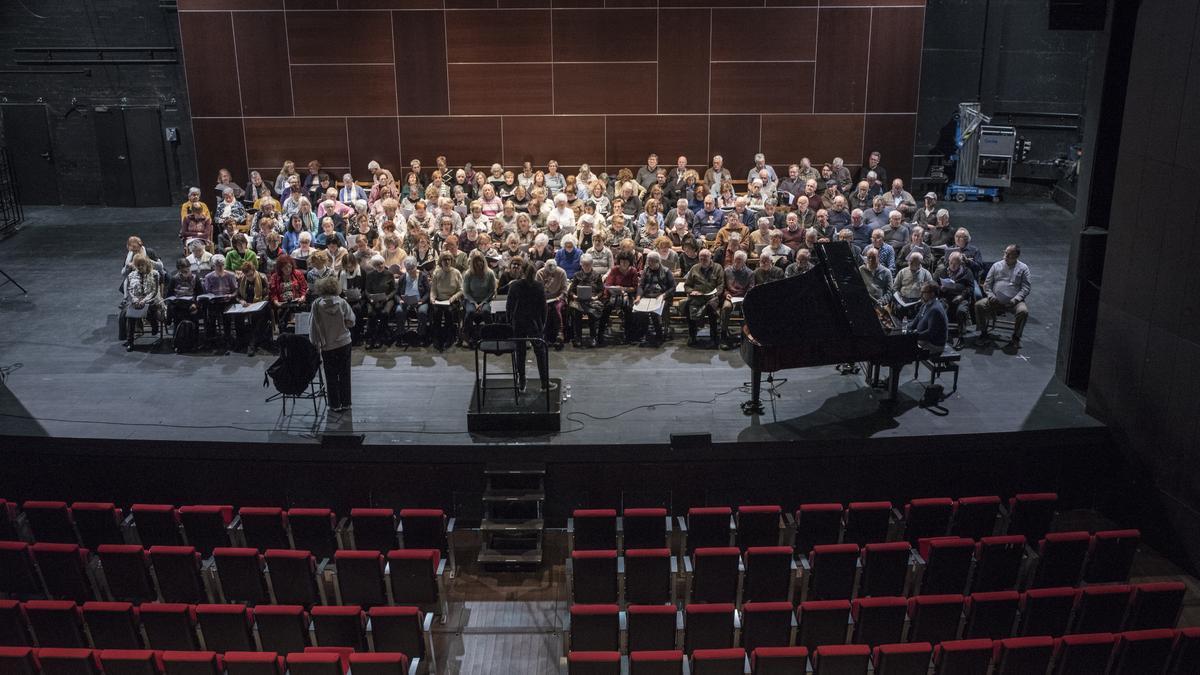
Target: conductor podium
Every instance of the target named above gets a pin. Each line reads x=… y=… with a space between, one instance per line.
x=497 y=403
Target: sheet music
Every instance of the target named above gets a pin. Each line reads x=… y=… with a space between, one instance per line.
x=303 y=323
x=584 y=293
x=442 y=303
x=649 y=305
x=237 y=308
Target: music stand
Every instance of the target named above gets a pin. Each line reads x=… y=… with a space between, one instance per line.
x=9 y=280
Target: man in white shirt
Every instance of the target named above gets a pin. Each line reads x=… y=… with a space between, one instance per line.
x=1005 y=288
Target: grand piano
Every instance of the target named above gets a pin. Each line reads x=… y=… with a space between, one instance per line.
x=824 y=317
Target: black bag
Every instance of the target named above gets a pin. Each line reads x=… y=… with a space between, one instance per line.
x=296 y=366
x=187 y=336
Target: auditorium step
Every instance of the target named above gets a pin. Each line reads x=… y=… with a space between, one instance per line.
x=513 y=522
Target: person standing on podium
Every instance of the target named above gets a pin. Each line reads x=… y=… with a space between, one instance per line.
x=525 y=307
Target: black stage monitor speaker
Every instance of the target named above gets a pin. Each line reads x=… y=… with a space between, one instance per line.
x=1078 y=14
x=341 y=440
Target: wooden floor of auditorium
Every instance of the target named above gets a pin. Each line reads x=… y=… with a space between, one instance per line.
x=76 y=380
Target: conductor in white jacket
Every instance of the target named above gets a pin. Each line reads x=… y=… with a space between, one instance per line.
x=332 y=319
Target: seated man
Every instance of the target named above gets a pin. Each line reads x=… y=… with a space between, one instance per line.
x=738 y=280
x=733 y=225
x=705 y=288
x=900 y=200
x=620 y=287
x=182 y=289
x=916 y=244
x=803 y=264
x=780 y=254
x=709 y=220
x=554 y=281
x=971 y=255
x=767 y=269
x=957 y=290
x=887 y=254
x=931 y=325
x=380 y=286
x=940 y=233
x=412 y=294
x=656 y=282
x=1005 y=288
x=591 y=306
x=877 y=277
x=907 y=287
x=896 y=233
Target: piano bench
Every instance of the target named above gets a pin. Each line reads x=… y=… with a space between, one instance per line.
x=946 y=362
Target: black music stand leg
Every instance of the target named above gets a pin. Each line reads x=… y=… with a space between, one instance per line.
x=754 y=405
x=10 y=280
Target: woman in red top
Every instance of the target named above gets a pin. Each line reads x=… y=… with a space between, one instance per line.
x=288 y=289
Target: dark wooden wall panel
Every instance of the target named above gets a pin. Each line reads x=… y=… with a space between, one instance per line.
x=841 y=85
x=264 y=92
x=893 y=136
x=209 y=63
x=311 y=4
x=630 y=139
x=881 y=3
x=683 y=60
x=468 y=139
x=271 y=140
x=373 y=138
x=342 y=90
x=605 y=35
x=768 y=34
x=219 y=145
x=476 y=90
x=339 y=37
x=735 y=138
x=570 y=140
x=185 y=5
x=818 y=137
x=895 y=70
x=762 y=87
x=420 y=48
x=591 y=88
x=390 y=4
x=498 y=36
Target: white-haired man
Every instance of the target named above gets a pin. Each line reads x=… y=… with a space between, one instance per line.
x=739 y=279
x=907 y=287
x=656 y=282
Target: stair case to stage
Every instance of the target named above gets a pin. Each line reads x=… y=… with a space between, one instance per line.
x=513 y=522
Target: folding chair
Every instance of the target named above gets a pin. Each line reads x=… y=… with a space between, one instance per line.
x=1111 y=556
x=1101 y=609
x=264 y=527
x=841 y=660
x=831 y=571
x=656 y=663
x=240 y=574
x=709 y=527
x=902 y=659
x=867 y=522
x=998 y=566
x=226 y=628
x=1085 y=654
x=947 y=564
x=206 y=526
x=652 y=627
x=293 y=576
x=645 y=528
x=1018 y=656
x=975 y=517
x=18 y=661
x=50 y=522
x=177 y=569
x=592 y=530
x=126 y=572
x=60 y=661
x=97 y=523
x=884 y=569
x=64 y=569
x=282 y=628
x=1155 y=605
x=718 y=661
x=18 y=576
x=935 y=618
x=594 y=663
x=112 y=625
x=592 y=575
x=758 y=526
x=650 y=576
x=779 y=661
x=374 y=529
x=402 y=629
x=156 y=525
x=169 y=626
x=878 y=621
x=770 y=574
x=1032 y=514
x=991 y=615
x=924 y=518
x=962 y=657
x=56 y=623
x=595 y=628
x=360 y=578
x=130 y=662
x=817 y=525
x=767 y=624
x=192 y=663
x=1142 y=651
x=340 y=627
x=823 y=622
x=313 y=530
x=1060 y=559
x=709 y=627
x=715 y=574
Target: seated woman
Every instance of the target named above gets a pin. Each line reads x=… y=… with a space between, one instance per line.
x=469 y=240
x=726 y=199
x=291 y=236
x=393 y=255
x=457 y=257
x=554 y=280
x=479 y=289
x=568 y=256
x=230 y=210
x=525 y=232
x=667 y=254
x=193 y=198
x=621 y=285
x=288 y=289
x=328 y=231
x=446 y=292
x=588 y=303
x=445 y=231
x=195 y=225
x=240 y=253
x=335 y=252
x=353 y=284
x=253 y=331
x=489 y=203
x=689 y=255
x=412 y=293
x=222 y=285
x=380 y=288
x=319 y=267
x=225 y=237
x=256 y=191
x=307 y=215
x=198 y=258
x=301 y=253
x=541 y=251
x=598 y=199
x=225 y=182
x=423 y=252
x=143 y=298
x=656 y=282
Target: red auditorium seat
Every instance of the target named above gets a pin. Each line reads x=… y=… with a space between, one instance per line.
x=991 y=615
x=169 y=626
x=831 y=571
x=884 y=569
x=156 y=525
x=823 y=622
x=340 y=627
x=426 y=528
x=360 y=578
x=177 y=569
x=417 y=575
x=64 y=570
x=595 y=628
x=8 y=521
x=1100 y=609
x=50 y=522
x=998 y=566
x=130 y=662
x=112 y=625
x=56 y=623
x=1032 y=514
x=715 y=573
x=593 y=530
x=709 y=627
x=1045 y=611
x=1019 y=656
x=656 y=663
x=902 y=659
x=374 y=529
x=779 y=661
x=947 y=564
x=770 y=574
x=98 y=523
x=593 y=576
x=878 y=621
x=240 y=573
x=293 y=577
x=127 y=572
x=709 y=527
x=1060 y=559
x=401 y=629
x=867 y=522
x=975 y=517
x=1155 y=605
x=18 y=576
x=925 y=518
x=314 y=663
x=817 y=525
x=594 y=663
x=1142 y=651
x=18 y=661
x=645 y=528
x=226 y=628
x=1085 y=654
x=841 y=660
x=206 y=526
x=758 y=525
x=282 y=628
x=718 y=661
x=1185 y=655
x=313 y=530
x=962 y=657
x=934 y=618
x=379 y=664
x=1111 y=556
x=652 y=627
x=649 y=576
x=264 y=527
x=767 y=624
x=253 y=663
x=13 y=631
x=192 y=663
x=57 y=661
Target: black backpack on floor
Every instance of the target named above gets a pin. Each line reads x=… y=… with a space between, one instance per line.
x=296 y=366
x=187 y=336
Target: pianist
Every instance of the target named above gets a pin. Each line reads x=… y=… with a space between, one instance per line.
x=932 y=325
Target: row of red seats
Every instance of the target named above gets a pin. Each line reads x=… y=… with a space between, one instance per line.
x=1129 y=653
x=216 y=628
x=924 y=618
x=28 y=661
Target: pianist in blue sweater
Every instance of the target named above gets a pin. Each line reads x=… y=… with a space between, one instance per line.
x=932 y=325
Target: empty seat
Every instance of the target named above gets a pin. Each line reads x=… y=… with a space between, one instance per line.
x=314 y=663
x=1031 y=514
x=878 y=621
x=649 y=576
x=69 y=661
x=770 y=573
x=715 y=573
x=595 y=628
x=97 y=523
x=841 y=660
x=177 y=569
x=157 y=525
x=282 y=628
x=884 y=569
x=975 y=517
x=962 y=657
x=425 y=528
x=594 y=529
x=947 y=564
x=360 y=578
x=1045 y=611
x=709 y=627
x=206 y=526
x=998 y=563
x=1142 y=651
x=935 y=618
x=169 y=626
x=253 y=663
x=1185 y=656
x=112 y=625
x=594 y=663
x=867 y=522
x=758 y=525
x=416 y=576
x=651 y=627
x=823 y=622
x=18 y=576
x=1018 y=656
x=593 y=576
x=192 y=663
x=1111 y=556
x=399 y=629
x=924 y=518
x=817 y=525
x=64 y=570
x=779 y=661
x=656 y=663
x=313 y=531
x=645 y=528
x=49 y=522
x=56 y=623
x=293 y=577
x=18 y=661
x=1060 y=559
x=374 y=529
x=379 y=664
x=991 y=615
x=129 y=662
x=8 y=521
x=831 y=572
x=709 y=527
x=902 y=659
x=240 y=573
x=1101 y=609
x=127 y=572
x=718 y=661
x=13 y=630
x=264 y=527
x=226 y=628
x=1085 y=654
x=767 y=624
x=340 y=627
x=1155 y=605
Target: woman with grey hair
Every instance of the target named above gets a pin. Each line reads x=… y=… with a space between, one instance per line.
x=332 y=319
x=230 y=211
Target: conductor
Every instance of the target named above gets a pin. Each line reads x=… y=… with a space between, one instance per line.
x=526 y=310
